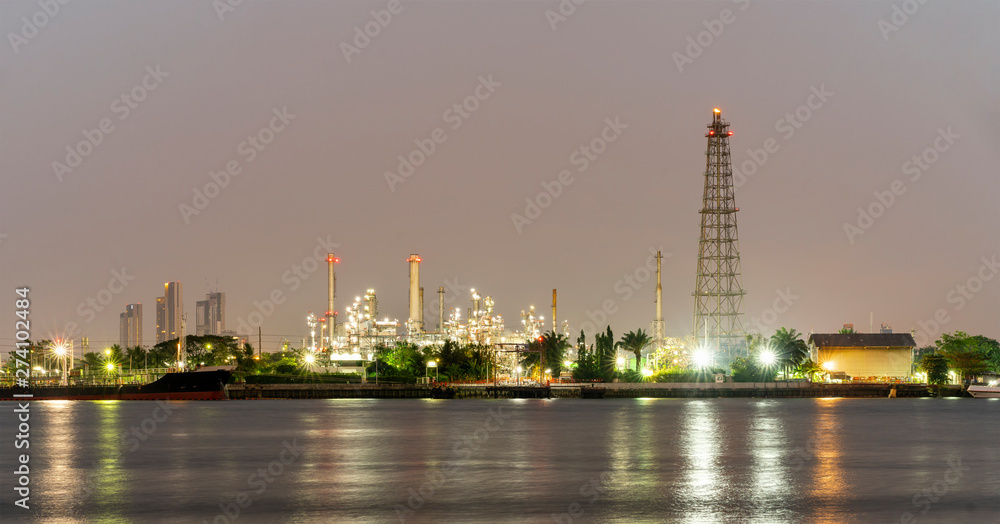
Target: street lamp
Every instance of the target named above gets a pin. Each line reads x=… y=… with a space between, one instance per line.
x=60 y=351
x=432 y=364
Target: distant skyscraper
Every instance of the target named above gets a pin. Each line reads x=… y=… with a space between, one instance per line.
x=173 y=292
x=131 y=326
x=210 y=314
x=161 y=319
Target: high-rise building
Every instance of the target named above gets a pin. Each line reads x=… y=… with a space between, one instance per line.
x=210 y=314
x=169 y=312
x=131 y=326
x=161 y=319
x=175 y=308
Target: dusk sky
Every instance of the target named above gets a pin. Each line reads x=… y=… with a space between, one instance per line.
x=862 y=106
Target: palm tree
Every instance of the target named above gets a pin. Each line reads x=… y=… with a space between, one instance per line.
x=789 y=348
x=636 y=341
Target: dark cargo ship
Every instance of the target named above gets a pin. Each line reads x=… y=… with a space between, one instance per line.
x=190 y=385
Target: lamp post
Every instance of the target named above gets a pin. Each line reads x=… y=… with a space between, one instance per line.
x=434 y=364
x=60 y=351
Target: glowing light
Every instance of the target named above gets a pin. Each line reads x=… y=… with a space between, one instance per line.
x=110 y=366
x=620 y=361
x=767 y=357
x=310 y=359
x=716 y=110
x=432 y=364
x=828 y=365
x=59 y=350
x=567 y=363
x=701 y=358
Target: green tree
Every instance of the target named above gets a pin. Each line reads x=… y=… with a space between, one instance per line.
x=636 y=342
x=936 y=367
x=970 y=356
x=553 y=347
x=790 y=350
x=846 y=331
x=809 y=368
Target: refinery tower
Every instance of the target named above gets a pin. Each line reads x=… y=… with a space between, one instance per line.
x=718 y=295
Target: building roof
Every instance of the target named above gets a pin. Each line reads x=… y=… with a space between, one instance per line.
x=860 y=340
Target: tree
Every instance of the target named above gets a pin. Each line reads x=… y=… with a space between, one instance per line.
x=936 y=367
x=636 y=342
x=808 y=368
x=553 y=346
x=846 y=331
x=790 y=350
x=970 y=356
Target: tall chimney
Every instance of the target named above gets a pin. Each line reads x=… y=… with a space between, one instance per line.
x=441 y=309
x=555 y=325
x=421 y=307
x=416 y=313
x=331 y=295
x=659 y=289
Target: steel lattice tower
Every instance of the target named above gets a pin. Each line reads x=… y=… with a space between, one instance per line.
x=718 y=295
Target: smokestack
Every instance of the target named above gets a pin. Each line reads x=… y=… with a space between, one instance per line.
x=659 y=289
x=416 y=313
x=555 y=326
x=421 y=306
x=331 y=295
x=441 y=309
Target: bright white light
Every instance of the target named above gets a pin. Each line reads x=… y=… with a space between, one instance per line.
x=828 y=365
x=59 y=350
x=568 y=363
x=110 y=366
x=701 y=358
x=548 y=371
x=620 y=361
x=310 y=359
x=767 y=357
x=647 y=372
x=432 y=364
x=519 y=369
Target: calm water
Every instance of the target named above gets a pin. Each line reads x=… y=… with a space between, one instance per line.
x=620 y=461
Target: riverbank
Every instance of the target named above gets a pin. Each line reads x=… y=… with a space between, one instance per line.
x=587 y=391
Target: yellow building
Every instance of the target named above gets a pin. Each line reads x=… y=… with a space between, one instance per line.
x=864 y=355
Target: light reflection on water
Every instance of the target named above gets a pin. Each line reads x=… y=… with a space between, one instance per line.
x=663 y=460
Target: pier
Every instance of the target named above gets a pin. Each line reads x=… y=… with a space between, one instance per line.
x=586 y=391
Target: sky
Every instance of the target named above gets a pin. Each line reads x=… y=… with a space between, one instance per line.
x=864 y=149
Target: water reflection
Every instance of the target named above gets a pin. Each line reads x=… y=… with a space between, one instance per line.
x=106 y=485
x=827 y=482
x=702 y=489
x=771 y=482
